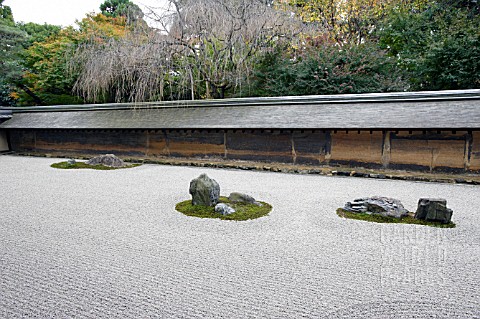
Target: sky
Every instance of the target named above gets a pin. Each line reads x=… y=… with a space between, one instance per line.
x=60 y=12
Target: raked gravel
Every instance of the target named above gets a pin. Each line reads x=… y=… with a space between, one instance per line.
x=109 y=244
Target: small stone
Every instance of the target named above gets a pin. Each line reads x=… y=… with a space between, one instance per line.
x=71 y=162
x=224 y=209
x=433 y=209
x=204 y=190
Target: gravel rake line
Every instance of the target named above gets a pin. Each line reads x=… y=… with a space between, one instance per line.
x=110 y=244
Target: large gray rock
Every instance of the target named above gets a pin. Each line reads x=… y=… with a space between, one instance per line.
x=376 y=205
x=204 y=190
x=107 y=160
x=224 y=209
x=242 y=198
x=433 y=209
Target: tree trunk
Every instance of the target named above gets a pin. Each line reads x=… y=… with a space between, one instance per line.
x=35 y=98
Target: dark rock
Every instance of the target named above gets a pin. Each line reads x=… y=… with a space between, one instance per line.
x=342 y=173
x=384 y=206
x=107 y=160
x=358 y=174
x=204 y=190
x=224 y=209
x=433 y=209
x=71 y=162
x=242 y=198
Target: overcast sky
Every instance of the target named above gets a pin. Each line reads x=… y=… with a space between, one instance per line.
x=60 y=12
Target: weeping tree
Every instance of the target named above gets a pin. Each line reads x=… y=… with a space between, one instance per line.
x=196 y=49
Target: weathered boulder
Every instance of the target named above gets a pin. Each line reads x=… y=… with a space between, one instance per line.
x=433 y=209
x=376 y=205
x=224 y=209
x=71 y=162
x=242 y=198
x=204 y=190
x=107 y=160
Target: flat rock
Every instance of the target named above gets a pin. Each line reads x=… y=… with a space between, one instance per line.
x=205 y=191
x=107 y=160
x=433 y=209
x=377 y=205
x=242 y=198
x=224 y=209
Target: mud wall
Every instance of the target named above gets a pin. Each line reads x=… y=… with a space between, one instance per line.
x=419 y=150
x=3 y=141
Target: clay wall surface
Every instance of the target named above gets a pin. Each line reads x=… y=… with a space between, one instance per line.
x=474 y=151
x=432 y=150
x=357 y=146
x=418 y=150
x=3 y=141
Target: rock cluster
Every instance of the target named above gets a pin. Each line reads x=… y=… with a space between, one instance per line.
x=433 y=209
x=205 y=191
x=107 y=160
x=384 y=206
x=429 y=209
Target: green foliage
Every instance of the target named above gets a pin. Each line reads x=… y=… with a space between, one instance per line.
x=6 y=99
x=38 y=32
x=82 y=165
x=243 y=211
x=11 y=45
x=6 y=15
x=122 y=8
x=392 y=220
x=438 y=46
x=328 y=69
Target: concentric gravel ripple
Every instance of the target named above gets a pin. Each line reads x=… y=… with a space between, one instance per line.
x=109 y=244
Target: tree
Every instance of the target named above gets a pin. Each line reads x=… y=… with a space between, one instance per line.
x=204 y=47
x=122 y=8
x=48 y=67
x=11 y=45
x=350 y=21
x=6 y=15
x=327 y=69
x=437 y=44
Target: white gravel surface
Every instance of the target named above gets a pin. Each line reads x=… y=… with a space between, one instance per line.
x=109 y=244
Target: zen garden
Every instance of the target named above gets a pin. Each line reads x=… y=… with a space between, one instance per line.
x=241 y=159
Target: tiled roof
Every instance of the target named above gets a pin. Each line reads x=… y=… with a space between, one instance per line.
x=421 y=110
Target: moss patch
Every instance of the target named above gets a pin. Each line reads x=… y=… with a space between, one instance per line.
x=381 y=219
x=82 y=165
x=243 y=211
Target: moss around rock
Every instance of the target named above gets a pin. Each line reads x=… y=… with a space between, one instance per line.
x=409 y=219
x=243 y=211
x=82 y=165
